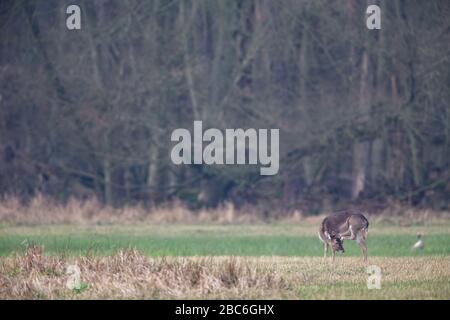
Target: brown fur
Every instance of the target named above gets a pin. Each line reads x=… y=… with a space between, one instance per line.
x=342 y=225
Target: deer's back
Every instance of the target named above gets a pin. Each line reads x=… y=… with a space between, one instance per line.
x=340 y=221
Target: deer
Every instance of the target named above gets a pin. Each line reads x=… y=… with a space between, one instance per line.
x=342 y=225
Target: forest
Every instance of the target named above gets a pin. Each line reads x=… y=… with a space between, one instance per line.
x=363 y=115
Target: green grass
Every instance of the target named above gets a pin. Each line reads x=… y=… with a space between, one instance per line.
x=277 y=261
x=215 y=240
x=425 y=289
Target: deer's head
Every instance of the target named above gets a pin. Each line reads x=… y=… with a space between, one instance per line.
x=336 y=242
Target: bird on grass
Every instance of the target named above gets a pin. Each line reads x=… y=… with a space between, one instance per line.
x=419 y=244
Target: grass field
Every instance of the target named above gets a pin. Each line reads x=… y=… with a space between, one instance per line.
x=219 y=261
x=216 y=240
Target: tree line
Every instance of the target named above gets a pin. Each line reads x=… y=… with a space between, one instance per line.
x=363 y=114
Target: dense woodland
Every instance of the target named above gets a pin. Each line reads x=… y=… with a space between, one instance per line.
x=364 y=115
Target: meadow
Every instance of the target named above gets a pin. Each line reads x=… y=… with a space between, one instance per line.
x=273 y=239
x=219 y=260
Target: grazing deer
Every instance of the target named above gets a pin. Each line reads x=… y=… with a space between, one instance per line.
x=344 y=225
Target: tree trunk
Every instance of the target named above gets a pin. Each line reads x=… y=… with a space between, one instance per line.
x=361 y=148
x=107 y=177
x=152 y=177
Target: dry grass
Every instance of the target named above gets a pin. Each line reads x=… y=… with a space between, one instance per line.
x=42 y=210
x=130 y=275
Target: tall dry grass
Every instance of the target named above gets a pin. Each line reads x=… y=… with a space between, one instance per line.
x=42 y=210
x=128 y=274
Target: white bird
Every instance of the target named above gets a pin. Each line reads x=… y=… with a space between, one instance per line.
x=419 y=244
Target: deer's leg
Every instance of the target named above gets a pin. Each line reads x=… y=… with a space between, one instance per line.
x=362 y=245
x=364 y=233
x=349 y=234
x=346 y=234
x=325 y=249
x=332 y=253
